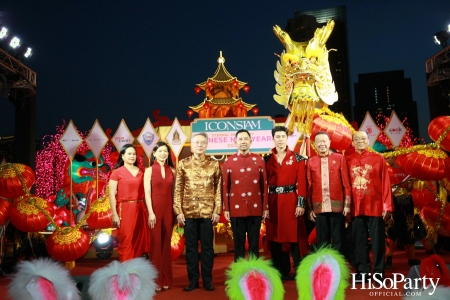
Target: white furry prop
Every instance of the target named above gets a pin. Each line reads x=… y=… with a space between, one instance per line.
x=42 y=279
x=132 y=279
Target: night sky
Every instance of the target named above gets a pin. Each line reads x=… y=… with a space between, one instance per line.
x=123 y=59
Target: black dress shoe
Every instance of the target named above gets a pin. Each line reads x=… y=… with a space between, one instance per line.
x=208 y=286
x=191 y=286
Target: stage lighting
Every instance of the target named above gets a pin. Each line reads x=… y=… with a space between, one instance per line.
x=3 y=32
x=23 y=52
x=104 y=246
x=442 y=36
x=15 y=42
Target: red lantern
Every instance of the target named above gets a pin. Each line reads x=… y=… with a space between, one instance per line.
x=26 y=216
x=100 y=216
x=429 y=164
x=10 y=180
x=420 y=193
x=437 y=128
x=340 y=134
x=431 y=213
x=209 y=84
x=206 y=105
x=241 y=106
x=235 y=83
x=176 y=245
x=190 y=112
x=5 y=209
x=68 y=244
x=246 y=89
x=255 y=110
x=197 y=90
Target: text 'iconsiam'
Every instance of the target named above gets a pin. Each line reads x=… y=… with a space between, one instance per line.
x=303 y=77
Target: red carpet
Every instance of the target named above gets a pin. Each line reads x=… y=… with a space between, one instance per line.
x=86 y=266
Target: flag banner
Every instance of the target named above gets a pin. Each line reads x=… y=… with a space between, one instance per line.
x=71 y=140
x=371 y=128
x=148 y=138
x=97 y=139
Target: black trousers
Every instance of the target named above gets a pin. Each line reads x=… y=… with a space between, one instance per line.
x=246 y=227
x=330 y=226
x=403 y=210
x=195 y=229
x=361 y=225
x=281 y=260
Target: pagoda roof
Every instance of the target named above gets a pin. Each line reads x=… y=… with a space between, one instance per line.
x=223 y=101
x=221 y=75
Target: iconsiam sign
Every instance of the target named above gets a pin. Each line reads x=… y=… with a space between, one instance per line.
x=303 y=77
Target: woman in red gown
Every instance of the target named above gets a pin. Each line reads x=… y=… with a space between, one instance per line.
x=129 y=214
x=158 y=184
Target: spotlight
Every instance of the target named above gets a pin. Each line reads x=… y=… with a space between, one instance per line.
x=23 y=52
x=15 y=42
x=3 y=32
x=104 y=246
x=442 y=36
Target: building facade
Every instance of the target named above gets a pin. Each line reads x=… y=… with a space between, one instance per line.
x=382 y=92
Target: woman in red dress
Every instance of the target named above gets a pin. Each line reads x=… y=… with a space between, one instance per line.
x=158 y=184
x=129 y=214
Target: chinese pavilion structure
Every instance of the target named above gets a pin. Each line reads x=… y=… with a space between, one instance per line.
x=222 y=95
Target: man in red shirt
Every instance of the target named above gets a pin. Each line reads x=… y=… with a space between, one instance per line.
x=371 y=204
x=329 y=193
x=245 y=200
x=286 y=177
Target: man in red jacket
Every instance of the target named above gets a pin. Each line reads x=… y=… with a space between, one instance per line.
x=285 y=228
x=245 y=201
x=329 y=193
x=371 y=204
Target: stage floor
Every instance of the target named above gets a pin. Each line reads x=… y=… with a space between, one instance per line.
x=85 y=267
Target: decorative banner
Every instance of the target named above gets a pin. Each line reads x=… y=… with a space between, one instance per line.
x=294 y=137
x=176 y=137
x=222 y=133
x=395 y=130
x=97 y=139
x=148 y=138
x=70 y=140
x=371 y=128
x=122 y=136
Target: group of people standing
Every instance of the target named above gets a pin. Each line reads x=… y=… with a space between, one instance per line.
x=278 y=189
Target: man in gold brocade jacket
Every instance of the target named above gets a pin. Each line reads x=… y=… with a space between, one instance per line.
x=198 y=205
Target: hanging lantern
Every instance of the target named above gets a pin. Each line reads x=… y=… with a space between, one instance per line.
x=235 y=83
x=246 y=88
x=100 y=215
x=437 y=128
x=421 y=194
x=197 y=90
x=429 y=164
x=206 y=105
x=5 y=209
x=255 y=110
x=340 y=135
x=436 y=216
x=176 y=245
x=26 y=216
x=241 y=106
x=10 y=180
x=68 y=244
x=190 y=112
x=209 y=84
